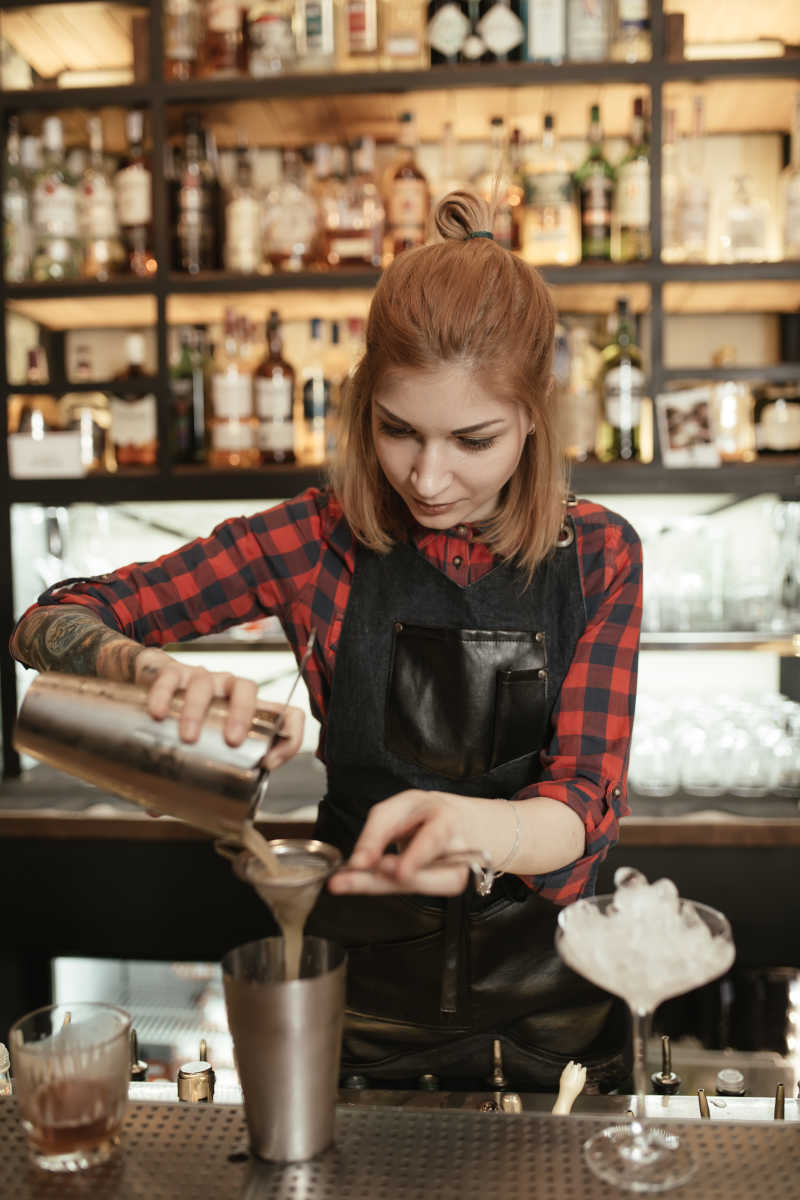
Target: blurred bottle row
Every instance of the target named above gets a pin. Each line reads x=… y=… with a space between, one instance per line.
x=86 y=214
x=236 y=403
x=222 y=39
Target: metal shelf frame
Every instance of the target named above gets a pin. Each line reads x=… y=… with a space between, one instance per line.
x=156 y=95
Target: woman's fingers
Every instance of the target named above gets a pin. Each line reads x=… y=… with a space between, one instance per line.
x=289 y=739
x=431 y=881
x=389 y=822
x=242 y=698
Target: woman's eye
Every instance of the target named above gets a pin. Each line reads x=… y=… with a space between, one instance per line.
x=477 y=443
x=398 y=431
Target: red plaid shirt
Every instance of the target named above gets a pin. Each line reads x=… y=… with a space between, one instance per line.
x=296 y=561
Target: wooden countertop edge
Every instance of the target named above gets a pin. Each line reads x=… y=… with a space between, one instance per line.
x=699 y=829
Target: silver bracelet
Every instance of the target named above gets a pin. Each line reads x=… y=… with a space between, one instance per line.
x=485 y=876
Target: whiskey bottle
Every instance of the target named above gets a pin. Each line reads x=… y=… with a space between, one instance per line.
x=57 y=252
x=502 y=30
x=408 y=199
x=17 y=241
x=195 y=203
x=316 y=398
x=222 y=52
x=271 y=38
x=243 y=220
x=103 y=254
x=181 y=38
x=88 y=412
x=595 y=183
x=274 y=399
x=631 y=222
x=354 y=224
x=549 y=218
x=134 y=424
x=188 y=396
x=291 y=217
x=358 y=43
x=622 y=383
x=316 y=35
x=402 y=35
x=448 y=27
x=134 y=191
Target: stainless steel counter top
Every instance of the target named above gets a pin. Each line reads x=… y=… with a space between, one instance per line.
x=172 y=1151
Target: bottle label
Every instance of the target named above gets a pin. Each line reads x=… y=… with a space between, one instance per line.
x=274 y=398
x=546 y=30
x=633 y=14
x=408 y=208
x=243 y=234
x=275 y=437
x=133 y=422
x=55 y=208
x=596 y=201
x=362 y=27
x=501 y=30
x=548 y=189
x=223 y=16
x=342 y=249
x=587 y=29
x=232 y=435
x=181 y=33
x=633 y=194
x=134 y=195
x=447 y=29
x=98 y=215
x=232 y=395
x=623 y=390
x=319 y=34
x=791 y=231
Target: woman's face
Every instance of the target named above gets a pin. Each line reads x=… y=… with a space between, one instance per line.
x=445 y=444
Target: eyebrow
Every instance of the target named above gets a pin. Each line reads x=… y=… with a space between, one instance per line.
x=457 y=432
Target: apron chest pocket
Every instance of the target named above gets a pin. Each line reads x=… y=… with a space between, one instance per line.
x=463 y=701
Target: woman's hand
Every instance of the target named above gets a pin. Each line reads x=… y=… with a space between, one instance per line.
x=165 y=676
x=426 y=826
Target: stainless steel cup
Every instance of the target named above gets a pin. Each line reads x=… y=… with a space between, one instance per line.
x=287 y=1039
x=102 y=732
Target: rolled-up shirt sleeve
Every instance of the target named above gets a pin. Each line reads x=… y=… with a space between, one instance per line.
x=586 y=762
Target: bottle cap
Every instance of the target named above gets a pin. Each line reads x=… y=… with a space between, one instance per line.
x=196 y=1082
x=134 y=347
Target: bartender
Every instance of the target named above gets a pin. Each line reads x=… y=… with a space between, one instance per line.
x=474 y=670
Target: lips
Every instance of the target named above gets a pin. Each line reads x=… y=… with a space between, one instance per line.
x=432 y=508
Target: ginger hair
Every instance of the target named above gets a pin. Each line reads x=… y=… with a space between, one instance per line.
x=465 y=301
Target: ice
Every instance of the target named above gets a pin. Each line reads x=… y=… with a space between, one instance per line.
x=645 y=945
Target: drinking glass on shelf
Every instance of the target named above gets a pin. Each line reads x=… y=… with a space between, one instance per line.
x=643 y=943
x=71 y=1072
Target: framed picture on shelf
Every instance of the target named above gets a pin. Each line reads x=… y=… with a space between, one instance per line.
x=686 y=428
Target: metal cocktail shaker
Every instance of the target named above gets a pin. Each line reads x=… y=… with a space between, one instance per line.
x=101 y=731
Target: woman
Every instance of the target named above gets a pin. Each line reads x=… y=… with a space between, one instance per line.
x=474 y=671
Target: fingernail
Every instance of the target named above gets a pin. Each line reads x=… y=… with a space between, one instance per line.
x=189 y=731
x=236 y=732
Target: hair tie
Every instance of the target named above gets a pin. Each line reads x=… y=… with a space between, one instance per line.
x=480 y=233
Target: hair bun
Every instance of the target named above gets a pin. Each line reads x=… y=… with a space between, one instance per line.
x=458 y=214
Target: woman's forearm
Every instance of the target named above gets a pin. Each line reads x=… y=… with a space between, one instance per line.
x=71 y=638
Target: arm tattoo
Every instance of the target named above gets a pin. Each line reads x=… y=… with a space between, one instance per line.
x=71 y=638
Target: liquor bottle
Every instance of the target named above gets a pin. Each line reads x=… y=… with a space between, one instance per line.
x=695 y=196
x=595 y=183
x=195 y=231
x=17 y=241
x=338 y=363
x=291 y=218
x=57 y=252
x=36 y=414
x=222 y=51
x=103 y=253
x=473 y=49
x=271 y=37
x=359 y=45
x=622 y=386
x=274 y=399
x=671 y=249
x=501 y=30
x=549 y=218
x=243 y=220
x=181 y=38
x=316 y=395
x=631 y=221
x=746 y=224
x=546 y=25
x=134 y=190
x=631 y=39
x=316 y=35
x=408 y=199
x=493 y=183
x=89 y=412
x=733 y=409
x=588 y=30
x=357 y=239
x=134 y=424
x=188 y=399
x=580 y=410
x=326 y=190
x=790 y=187
x=450 y=178
x=231 y=382
x=448 y=27
x=401 y=28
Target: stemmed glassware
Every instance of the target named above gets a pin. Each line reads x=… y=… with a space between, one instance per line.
x=643 y=943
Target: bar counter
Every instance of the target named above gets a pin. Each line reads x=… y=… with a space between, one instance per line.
x=200 y=1150
x=91 y=875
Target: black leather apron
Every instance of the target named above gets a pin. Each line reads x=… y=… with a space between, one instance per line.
x=441 y=687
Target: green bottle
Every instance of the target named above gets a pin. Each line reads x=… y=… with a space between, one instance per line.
x=594 y=180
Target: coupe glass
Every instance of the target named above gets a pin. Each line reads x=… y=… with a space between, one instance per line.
x=638 y=1156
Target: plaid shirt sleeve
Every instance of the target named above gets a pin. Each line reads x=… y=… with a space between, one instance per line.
x=585 y=766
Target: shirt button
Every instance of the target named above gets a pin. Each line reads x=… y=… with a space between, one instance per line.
x=461 y=530
x=617 y=792
x=457 y=561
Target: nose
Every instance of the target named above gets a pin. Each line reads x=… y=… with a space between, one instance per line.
x=430 y=475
